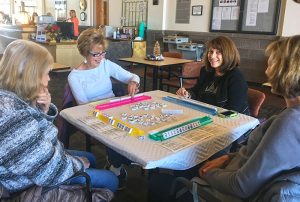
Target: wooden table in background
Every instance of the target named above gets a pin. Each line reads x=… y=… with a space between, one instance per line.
x=59 y=67
x=156 y=65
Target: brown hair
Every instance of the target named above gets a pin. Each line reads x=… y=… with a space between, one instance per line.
x=284 y=66
x=230 y=54
x=73 y=11
x=88 y=38
x=22 y=67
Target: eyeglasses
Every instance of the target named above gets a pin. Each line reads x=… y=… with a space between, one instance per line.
x=97 y=54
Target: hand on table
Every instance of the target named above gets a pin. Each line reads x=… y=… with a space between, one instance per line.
x=44 y=99
x=183 y=92
x=133 y=88
x=216 y=163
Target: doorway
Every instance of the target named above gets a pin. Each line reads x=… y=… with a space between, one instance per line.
x=101 y=13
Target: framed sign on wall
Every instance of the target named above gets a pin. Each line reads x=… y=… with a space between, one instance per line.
x=197 y=10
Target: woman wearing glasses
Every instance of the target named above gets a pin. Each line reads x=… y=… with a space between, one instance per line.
x=91 y=81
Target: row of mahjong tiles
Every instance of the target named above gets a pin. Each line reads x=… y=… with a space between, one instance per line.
x=151 y=115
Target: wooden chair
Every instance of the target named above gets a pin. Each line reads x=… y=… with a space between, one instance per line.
x=166 y=72
x=255 y=101
x=138 y=50
x=188 y=77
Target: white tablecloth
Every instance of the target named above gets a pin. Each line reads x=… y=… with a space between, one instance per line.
x=152 y=154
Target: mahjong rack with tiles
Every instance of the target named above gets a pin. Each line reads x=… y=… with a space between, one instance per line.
x=156 y=117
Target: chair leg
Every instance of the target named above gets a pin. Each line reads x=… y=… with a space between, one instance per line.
x=88 y=143
x=145 y=75
x=160 y=79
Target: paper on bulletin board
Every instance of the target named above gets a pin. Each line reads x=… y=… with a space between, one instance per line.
x=217 y=16
x=226 y=13
x=216 y=24
x=263 y=6
x=235 y=11
x=251 y=13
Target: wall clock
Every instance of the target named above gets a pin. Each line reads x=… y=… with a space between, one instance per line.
x=82 y=16
x=82 y=5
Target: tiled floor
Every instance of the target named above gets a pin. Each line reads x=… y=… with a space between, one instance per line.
x=136 y=190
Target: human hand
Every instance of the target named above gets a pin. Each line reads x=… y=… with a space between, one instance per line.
x=44 y=100
x=183 y=92
x=85 y=161
x=216 y=163
x=133 y=88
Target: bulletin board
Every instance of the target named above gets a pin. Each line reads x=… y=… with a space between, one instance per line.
x=245 y=16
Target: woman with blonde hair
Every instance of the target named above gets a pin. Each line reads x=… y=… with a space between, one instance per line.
x=91 y=81
x=30 y=153
x=272 y=146
x=73 y=18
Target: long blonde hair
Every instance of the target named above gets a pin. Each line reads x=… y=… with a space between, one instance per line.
x=22 y=67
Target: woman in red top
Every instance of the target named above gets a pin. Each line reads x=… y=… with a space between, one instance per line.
x=75 y=21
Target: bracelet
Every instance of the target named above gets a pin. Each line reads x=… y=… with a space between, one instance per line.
x=136 y=83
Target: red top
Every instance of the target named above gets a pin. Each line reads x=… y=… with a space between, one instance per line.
x=76 y=23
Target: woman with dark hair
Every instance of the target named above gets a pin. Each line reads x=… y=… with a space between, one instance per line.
x=272 y=146
x=221 y=83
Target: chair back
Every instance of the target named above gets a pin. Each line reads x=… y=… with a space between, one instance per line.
x=191 y=69
x=117 y=87
x=139 y=49
x=172 y=54
x=65 y=129
x=255 y=101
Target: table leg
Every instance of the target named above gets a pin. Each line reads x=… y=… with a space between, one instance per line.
x=145 y=77
x=155 y=75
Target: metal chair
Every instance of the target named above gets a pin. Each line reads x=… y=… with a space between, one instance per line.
x=188 y=77
x=282 y=187
x=59 y=192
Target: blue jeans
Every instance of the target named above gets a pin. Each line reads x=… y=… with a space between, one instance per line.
x=116 y=159
x=99 y=178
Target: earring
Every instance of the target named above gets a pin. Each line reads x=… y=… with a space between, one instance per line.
x=84 y=61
